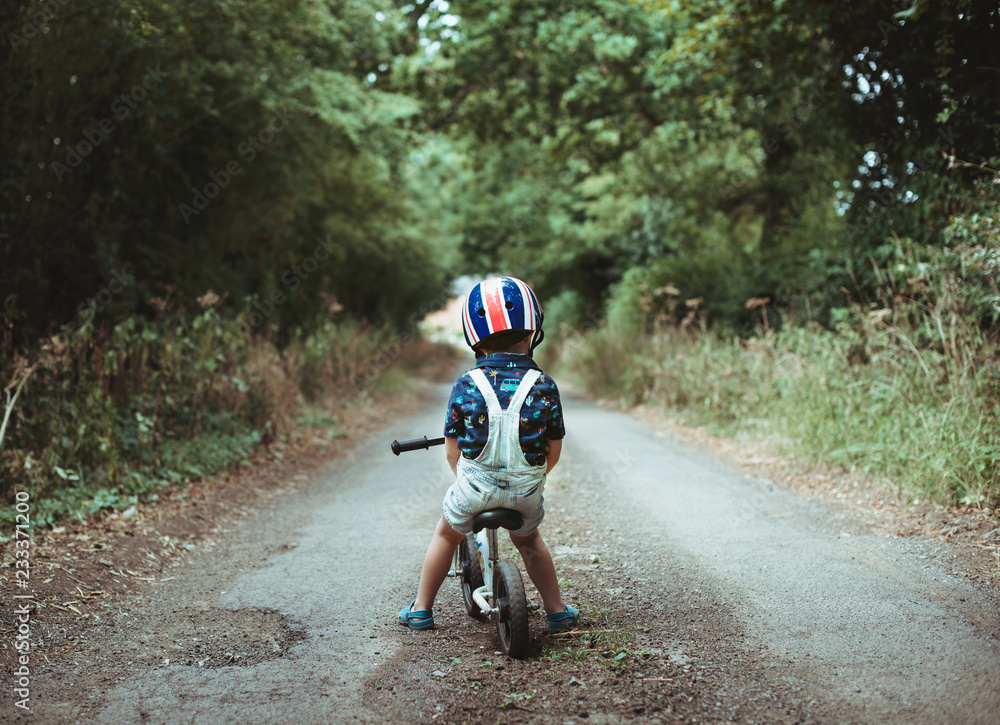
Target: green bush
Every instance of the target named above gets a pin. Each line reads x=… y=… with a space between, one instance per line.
x=105 y=415
x=907 y=389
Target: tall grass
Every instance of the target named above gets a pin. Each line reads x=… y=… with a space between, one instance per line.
x=103 y=415
x=906 y=389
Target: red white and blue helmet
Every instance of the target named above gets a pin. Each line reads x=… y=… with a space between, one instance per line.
x=499 y=304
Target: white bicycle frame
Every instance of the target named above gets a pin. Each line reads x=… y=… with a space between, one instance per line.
x=488 y=551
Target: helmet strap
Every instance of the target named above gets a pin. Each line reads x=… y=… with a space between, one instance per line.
x=537 y=338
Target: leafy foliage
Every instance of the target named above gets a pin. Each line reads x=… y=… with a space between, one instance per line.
x=778 y=147
x=206 y=147
x=908 y=392
x=751 y=165
x=109 y=414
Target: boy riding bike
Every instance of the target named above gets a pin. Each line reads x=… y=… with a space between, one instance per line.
x=503 y=434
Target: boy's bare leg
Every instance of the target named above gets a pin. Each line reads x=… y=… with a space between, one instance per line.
x=437 y=562
x=538 y=562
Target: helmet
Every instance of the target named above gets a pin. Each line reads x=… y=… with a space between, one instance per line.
x=499 y=304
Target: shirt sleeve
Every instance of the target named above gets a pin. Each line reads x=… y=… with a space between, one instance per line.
x=555 y=430
x=454 y=419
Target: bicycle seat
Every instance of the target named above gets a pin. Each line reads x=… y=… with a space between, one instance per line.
x=495 y=518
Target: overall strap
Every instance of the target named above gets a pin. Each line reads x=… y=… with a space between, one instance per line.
x=492 y=402
x=502 y=450
x=522 y=391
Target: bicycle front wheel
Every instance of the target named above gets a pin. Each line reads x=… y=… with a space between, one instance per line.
x=512 y=617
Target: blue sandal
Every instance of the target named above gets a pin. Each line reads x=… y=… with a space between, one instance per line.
x=420 y=619
x=562 y=621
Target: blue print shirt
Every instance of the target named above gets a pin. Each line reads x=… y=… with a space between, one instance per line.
x=541 y=415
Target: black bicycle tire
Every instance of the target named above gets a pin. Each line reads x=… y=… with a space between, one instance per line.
x=470 y=572
x=512 y=605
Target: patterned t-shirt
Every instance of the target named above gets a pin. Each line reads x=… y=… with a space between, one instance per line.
x=467 y=417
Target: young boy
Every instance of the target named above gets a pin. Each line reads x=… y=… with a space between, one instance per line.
x=503 y=434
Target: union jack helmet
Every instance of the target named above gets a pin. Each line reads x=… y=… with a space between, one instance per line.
x=499 y=304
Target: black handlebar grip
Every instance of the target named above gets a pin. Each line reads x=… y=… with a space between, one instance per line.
x=416 y=444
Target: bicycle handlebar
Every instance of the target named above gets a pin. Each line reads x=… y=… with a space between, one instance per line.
x=416 y=444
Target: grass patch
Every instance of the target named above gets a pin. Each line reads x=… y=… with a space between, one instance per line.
x=910 y=397
x=515 y=698
x=606 y=642
x=104 y=417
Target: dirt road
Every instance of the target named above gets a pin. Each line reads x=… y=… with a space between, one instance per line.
x=707 y=596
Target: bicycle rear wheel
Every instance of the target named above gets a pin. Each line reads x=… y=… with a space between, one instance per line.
x=512 y=617
x=472 y=574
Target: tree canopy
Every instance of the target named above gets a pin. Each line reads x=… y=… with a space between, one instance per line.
x=238 y=147
x=360 y=154
x=732 y=149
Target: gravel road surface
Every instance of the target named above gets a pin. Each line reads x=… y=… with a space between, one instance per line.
x=750 y=604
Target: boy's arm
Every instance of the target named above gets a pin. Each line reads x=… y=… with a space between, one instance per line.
x=452 y=453
x=555 y=449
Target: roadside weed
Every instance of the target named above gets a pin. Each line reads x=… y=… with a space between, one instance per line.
x=517 y=697
x=605 y=642
x=115 y=414
x=906 y=392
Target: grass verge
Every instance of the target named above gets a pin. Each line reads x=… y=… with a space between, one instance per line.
x=912 y=400
x=99 y=418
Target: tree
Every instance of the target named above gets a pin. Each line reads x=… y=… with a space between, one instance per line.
x=205 y=146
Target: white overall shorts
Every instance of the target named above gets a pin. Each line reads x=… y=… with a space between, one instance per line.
x=500 y=476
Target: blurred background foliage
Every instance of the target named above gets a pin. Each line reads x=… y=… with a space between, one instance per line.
x=278 y=88
x=726 y=169
x=734 y=149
